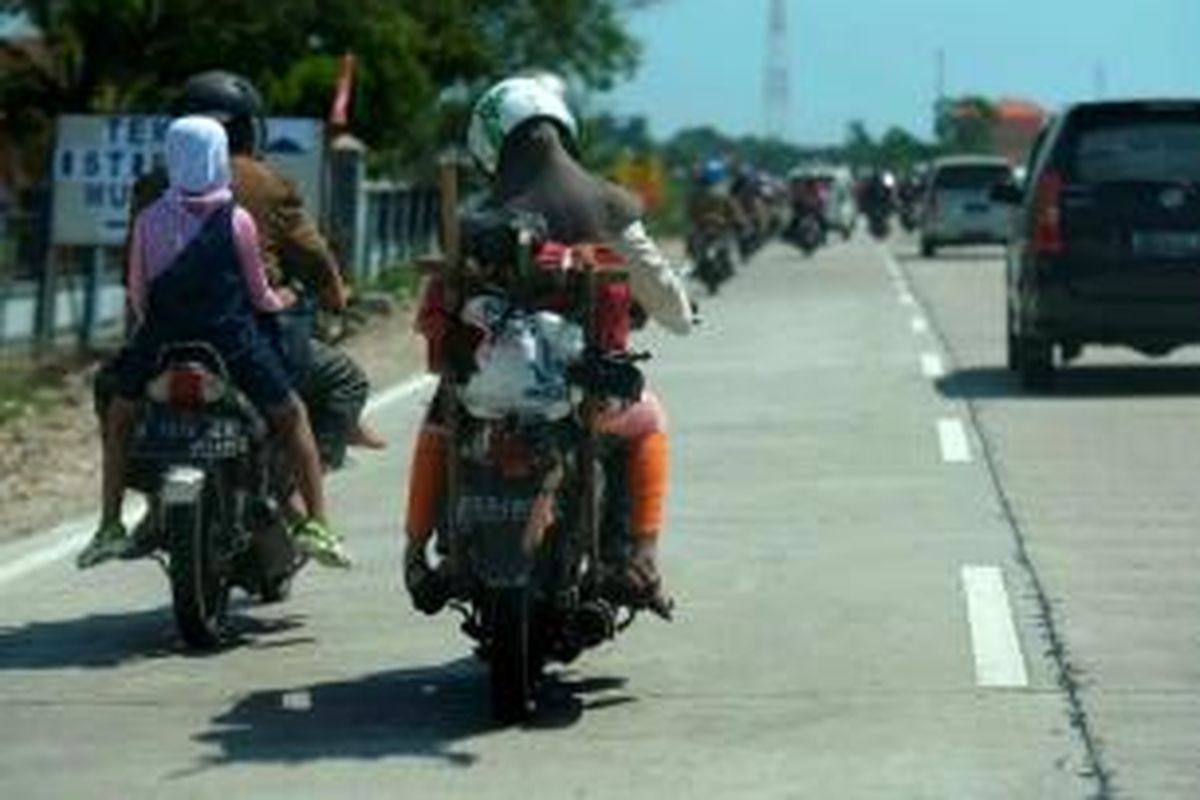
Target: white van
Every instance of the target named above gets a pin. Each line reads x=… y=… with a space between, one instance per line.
x=958 y=207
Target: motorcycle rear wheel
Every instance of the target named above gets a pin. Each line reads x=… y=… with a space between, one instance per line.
x=510 y=662
x=199 y=587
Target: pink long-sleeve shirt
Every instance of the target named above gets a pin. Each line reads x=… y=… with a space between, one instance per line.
x=167 y=226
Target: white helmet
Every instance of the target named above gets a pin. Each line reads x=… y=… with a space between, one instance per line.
x=507 y=105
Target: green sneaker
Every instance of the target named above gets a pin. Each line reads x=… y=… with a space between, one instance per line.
x=109 y=542
x=320 y=544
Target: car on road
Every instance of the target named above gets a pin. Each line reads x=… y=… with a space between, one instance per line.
x=958 y=206
x=1105 y=246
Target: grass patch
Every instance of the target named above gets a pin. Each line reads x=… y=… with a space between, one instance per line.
x=21 y=389
x=401 y=282
x=30 y=388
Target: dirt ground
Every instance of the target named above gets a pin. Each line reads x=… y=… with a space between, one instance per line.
x=50 y=457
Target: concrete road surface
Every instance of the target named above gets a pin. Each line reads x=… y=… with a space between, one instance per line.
x=898 y=577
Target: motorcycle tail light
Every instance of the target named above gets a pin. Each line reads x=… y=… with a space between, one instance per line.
x=186 y=387
x=1047 y=231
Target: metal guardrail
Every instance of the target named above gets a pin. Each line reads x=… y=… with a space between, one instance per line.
x=399 y=222
x=377 y=225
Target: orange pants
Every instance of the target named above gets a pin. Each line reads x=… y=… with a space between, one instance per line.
x=642 y=425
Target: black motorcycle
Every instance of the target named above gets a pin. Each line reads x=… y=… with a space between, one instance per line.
x=880 y=224
x=713 y=259
x=807 y=231
x=532 y=538
x=217 y=487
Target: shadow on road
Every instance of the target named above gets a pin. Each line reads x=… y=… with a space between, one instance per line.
x=106 y=641
x=982 y=383
x=950 y=256
x=425 y=712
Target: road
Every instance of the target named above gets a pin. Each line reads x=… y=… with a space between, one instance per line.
x=898 y=575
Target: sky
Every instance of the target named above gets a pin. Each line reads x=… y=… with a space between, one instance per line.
x=876 y=60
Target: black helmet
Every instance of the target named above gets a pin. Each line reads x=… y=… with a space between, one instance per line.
x=231 y=100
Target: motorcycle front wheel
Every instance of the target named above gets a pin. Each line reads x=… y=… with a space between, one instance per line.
x=509 y=656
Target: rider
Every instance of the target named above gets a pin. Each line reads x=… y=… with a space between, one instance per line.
x=711 y=210
x=294 y=252
x=196 y=274
x=878 y=194
x=524 y=137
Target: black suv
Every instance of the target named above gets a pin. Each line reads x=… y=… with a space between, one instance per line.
x=1105 y=247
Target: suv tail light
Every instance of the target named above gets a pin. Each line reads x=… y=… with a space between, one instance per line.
x=1047 y=215
x=186 y=386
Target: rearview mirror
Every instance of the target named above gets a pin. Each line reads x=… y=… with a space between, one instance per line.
x=1007 y=193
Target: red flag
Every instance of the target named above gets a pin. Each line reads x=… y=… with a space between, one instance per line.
x=339 y=112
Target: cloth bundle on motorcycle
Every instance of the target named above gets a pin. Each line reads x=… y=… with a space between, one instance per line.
x=521 y=360
x=450 y=342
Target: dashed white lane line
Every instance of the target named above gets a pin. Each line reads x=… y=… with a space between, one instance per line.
x=999 y=662
x=931 y=366
x=952 y=436
x=920 y=324
x=39 y=551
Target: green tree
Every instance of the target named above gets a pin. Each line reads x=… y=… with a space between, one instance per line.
x=131 y=55
x=965 y=125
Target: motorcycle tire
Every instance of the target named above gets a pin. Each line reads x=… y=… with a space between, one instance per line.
x=199 y=587
x=510 y=664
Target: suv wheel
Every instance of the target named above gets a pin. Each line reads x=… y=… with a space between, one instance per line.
x=928 y=248
x=1035 y=362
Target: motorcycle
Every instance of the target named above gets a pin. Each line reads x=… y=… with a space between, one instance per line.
x=879 y=223
x=807 y=231
x=712 y=252
x=217 y=487
x=531 y=537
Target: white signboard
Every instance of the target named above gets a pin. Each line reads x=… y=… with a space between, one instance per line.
x=98 y=158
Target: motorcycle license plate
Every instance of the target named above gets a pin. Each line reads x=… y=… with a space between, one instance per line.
x=172 y=427
x=189 y=435
x=1166 y=244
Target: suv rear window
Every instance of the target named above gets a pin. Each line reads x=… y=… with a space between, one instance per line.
x=1151 y=149
x=980 y=176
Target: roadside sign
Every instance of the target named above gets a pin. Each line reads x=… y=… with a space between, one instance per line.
x=98 y=158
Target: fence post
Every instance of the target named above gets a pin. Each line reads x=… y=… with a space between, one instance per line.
x=91 y=298
x=45 y=262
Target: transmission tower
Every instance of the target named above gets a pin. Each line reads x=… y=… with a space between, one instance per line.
x=777 y=89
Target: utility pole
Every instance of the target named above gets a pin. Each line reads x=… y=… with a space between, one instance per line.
x=939 y=89
x=777 y=92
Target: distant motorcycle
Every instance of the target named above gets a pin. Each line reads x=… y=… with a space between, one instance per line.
x=910 y=215
x=713 y=259
x=807 y=231
x=879 y=224
x=217 y=486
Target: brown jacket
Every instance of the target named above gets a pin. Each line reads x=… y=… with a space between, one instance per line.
x=292 y=247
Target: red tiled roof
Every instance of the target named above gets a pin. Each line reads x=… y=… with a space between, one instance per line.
x=1013 y=109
